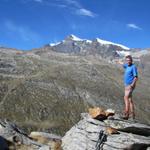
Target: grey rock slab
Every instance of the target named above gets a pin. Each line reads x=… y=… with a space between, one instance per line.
x=13 y=133
x=84 y=135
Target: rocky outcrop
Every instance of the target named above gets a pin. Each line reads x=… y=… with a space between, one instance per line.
x=90 y=134
x=12 y=137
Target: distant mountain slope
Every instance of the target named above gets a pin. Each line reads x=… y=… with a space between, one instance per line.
x=48 y=90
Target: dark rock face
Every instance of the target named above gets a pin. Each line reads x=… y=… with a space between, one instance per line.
x=85 y=134
x=3 y=144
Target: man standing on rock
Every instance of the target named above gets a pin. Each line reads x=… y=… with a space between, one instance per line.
x=130 y=79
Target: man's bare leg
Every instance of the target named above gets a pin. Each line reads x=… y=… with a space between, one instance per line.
x=127 y=106
x=131 y=107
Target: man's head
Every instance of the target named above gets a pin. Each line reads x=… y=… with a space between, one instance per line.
x=129 y=59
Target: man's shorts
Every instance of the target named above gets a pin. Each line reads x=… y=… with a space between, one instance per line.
x=129 y=90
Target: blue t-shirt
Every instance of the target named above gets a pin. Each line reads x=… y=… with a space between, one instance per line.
x=130 y=73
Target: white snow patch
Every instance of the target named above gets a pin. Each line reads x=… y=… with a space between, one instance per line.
x=108 y=42
x=54 y=44
x=75 y=38
x=123 y=53
x=88 y=41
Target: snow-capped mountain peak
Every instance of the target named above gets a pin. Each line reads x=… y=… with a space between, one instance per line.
x=74 y=38
x=103 y=42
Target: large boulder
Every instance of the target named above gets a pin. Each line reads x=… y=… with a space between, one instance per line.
x=17 y=138
x=89 y=134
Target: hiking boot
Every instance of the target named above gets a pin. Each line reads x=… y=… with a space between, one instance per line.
x=125 y=116
x=132 y=114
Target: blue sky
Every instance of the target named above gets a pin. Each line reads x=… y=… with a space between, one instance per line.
x=27 y=24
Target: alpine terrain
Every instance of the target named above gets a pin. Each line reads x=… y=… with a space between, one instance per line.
x=47 y=88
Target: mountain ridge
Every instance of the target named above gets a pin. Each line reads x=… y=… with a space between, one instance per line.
x=103 y=42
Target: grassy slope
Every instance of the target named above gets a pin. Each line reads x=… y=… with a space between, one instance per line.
x=55 y=89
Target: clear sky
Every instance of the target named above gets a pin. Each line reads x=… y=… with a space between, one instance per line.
x=27 y=24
